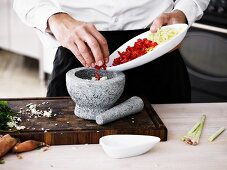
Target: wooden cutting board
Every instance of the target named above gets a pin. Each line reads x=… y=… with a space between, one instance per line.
x=63 y=127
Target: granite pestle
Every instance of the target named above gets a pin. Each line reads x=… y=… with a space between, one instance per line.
x=131 y=106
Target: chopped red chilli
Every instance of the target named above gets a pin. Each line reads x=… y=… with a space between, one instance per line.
x=97 y=69
x=141 y=47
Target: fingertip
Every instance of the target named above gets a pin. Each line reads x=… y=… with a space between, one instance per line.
x=93 y=65
x=106 y=55
x=106 y=60
x=99 y=63
x=158 y=23
x=153 y=29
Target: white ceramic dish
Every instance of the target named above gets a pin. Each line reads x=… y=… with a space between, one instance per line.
x=122 y=146
x=158 y=51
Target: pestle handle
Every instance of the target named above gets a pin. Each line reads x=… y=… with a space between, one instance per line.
x=132 y=105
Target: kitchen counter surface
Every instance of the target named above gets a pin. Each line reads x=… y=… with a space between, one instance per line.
x=173 y=154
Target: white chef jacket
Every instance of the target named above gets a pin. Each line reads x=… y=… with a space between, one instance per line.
x=107 y=14
x=104 y=14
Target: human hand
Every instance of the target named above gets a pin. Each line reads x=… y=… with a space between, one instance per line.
x=81 y=38
x=173 y=17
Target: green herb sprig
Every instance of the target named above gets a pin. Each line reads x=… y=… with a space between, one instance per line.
x=5 y=115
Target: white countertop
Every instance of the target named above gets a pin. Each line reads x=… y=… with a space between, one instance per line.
x=171 y=155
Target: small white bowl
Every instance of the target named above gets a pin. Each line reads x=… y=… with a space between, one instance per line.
x=122 y=146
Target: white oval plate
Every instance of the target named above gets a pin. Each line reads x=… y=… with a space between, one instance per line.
x=122 y=146
x=158 y=51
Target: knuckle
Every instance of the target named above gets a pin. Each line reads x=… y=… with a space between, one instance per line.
x=76 y=53
x=94 y=44
x=81 y=59
x=83 y=50
x=89 y=61
x=81 y=27
x=90 y=25
x=76 y=32
x=80 y=32
x=103 y=42
x=85 y=25
x=66 y=45
x=67 y=41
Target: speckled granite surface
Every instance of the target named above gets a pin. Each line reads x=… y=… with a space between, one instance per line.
x=131 y=106
x=93 y=97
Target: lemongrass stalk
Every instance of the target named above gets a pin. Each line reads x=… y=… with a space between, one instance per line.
x=190 y=132
x=194 y=127
x=195 y=140
x=192 y=137
x=216 y=134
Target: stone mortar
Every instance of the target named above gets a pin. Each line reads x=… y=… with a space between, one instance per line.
x=93 y=97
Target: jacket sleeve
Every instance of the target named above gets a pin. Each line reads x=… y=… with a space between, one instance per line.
x=193 y=9
x=35 y=13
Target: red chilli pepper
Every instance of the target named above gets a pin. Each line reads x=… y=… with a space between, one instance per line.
x=141 y=47
x=97 y=71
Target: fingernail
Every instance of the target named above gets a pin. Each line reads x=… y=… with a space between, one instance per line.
x=153 y=29
x=92 y=64
x=99 y=63
x=106 y=60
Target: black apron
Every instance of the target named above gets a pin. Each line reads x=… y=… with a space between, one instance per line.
x=164 y=80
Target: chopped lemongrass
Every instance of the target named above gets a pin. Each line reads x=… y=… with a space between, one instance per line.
x=216 y=134
x=194 y=127
x=192 y=131
x=199 y=132
x=193 y=136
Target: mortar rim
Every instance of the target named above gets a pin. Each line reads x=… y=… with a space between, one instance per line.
x=71 y=74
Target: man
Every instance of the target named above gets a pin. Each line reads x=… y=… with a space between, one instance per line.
x=87 y=31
